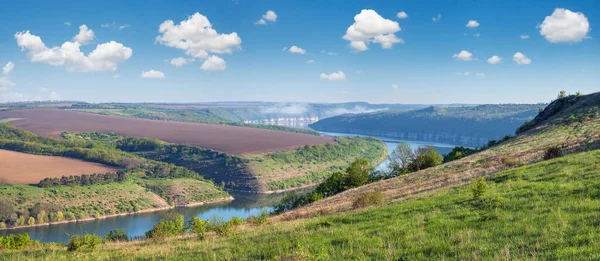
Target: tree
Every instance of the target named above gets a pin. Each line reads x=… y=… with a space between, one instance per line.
x=31 y=221
x=42 y=217
x=562 y=94
x=6 y=210
x=357 y=174
x=401 y=157
x=425 y=157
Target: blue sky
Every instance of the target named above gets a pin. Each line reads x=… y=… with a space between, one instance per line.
x=420 y=68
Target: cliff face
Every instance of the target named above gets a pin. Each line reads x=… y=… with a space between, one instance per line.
x=462 y=126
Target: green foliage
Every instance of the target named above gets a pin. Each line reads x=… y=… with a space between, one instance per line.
x=425 y=157
x=170 y=226
x=458 y=153
x=260 y=220
x=16 y=241
x=357 y=174
x=31 y=221
x=199 y=227
x=478 y=188
x=87 y=242
x=116 y=235
x=236 y=221
x=42 y=217
x=509 y=161
x=367 y=199
x=2 y=225
x=561 y=94
x=221 y=227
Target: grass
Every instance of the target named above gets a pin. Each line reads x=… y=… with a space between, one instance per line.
x=184 y=191
x=548 y=211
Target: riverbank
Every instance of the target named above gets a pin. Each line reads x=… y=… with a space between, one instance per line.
x=194 y=204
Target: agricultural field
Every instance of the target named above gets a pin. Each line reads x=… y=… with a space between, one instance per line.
x=224 y=138
x=22 y=168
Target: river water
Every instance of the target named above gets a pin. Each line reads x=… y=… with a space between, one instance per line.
x=244 y=205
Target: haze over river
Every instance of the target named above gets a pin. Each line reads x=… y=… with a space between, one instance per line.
x=244 y=205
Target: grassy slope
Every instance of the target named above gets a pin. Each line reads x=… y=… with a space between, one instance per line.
x=572 y=134
x=548 y=211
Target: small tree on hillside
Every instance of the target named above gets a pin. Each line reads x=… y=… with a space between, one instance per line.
x=357 y=174
x=562 y=94
x=400 y=158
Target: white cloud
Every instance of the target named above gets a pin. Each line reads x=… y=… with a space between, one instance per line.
x=54 y=96
x=296 y=49
x=198 y=39
x=521 y=58
x=463 y=56
x=565 y=26
x=261 y=22
x=67 y=23
x=8 y=68
x=335 y=76
x=152 y=74
x=328 y=53
x=494 y=60
x=477 y=35
x=269 y=16
x=524 y=36
x=116 y=75
x=115 y=25
x=437 y=18
x=214 y=63
x=480 y=74
x=121 y=27
x=310 y=61
x=395 y=86
x=85 y=35
x=284 y=49
x=402 y=15
x=179 y=61
x=105 y=25
x=463 y=73
x=5 y=83
x=105 y=57
x=369 y=27
x=472 y=24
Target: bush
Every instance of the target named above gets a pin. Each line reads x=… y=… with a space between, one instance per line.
x=236 y=221
x=199 y=227
x=509 y=161
x=85 y=242
x=221 y=227
x=170 y=226
x=116 y=235
x=552 y=153
x=478 y=187
x=261 y=219
x=366 y=199
x=16 y=241
x=2 y=225
x=31 y=221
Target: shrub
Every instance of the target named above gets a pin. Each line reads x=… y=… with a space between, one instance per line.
x=170 y=226
x=31 y=221
x=552 y=152
x=221 y=227
x=509 y=161
x=199 y=227
x=16 y=241
x=116 y=235
x=262 y=219
x=236 y=221
x=85 y=242
x=20 y=221
x=366 y=199
x=490 y=206
x=478 y=187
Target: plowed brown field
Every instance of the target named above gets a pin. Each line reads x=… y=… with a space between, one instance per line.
x=22 y=168
x=229 y=139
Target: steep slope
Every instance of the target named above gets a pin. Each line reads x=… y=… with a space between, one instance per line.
x=465 y=126
x=573 y=128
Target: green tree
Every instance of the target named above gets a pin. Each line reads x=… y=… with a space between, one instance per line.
x=20 y=221
x=401 y=157
x=31 y=221
x=199 y=227
x=562 y=94
x=425 y=157
x=478 y=187
x=42 y=217
x=357 y=174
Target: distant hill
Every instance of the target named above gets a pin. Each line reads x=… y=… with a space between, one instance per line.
x=470 y=126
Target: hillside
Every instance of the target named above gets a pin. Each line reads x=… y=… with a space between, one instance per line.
x=573 y=128
x=465 y=126
x=542 y=211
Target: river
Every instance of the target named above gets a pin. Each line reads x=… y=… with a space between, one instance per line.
x=244 y=205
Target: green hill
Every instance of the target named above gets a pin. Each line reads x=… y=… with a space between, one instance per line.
x=465 y=126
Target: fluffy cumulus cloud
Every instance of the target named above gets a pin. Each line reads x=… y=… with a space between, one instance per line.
x=198 y=39
x=524 y=37
x=565 y=26
x=269 y=16
x=153 y=74
x=520 y=58
x=472 y=24
x=296 y=49
x=463 y=56
x=402 y=15
x=105 y=57
x=85 y=35
x=214 y=63
x=370 y=27
x=494 y=60
x=180 y=61
x=8 y=67
x=335 y=76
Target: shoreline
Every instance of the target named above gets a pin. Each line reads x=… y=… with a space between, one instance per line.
x=150 y=210
x=277 y=191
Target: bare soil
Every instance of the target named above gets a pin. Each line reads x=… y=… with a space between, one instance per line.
x=22 y=168
x=225 y=138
